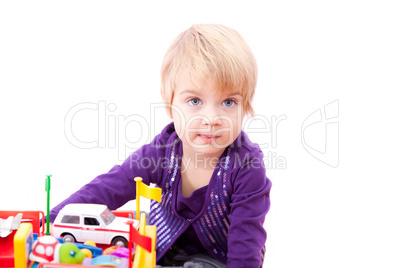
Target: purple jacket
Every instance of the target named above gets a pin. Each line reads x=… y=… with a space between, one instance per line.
x=230 y=224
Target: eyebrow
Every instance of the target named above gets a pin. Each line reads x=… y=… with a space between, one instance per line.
x=236 y=94
x=195 y=92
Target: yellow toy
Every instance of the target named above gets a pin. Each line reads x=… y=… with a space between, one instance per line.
x=87 y=252
x=143 y=258
x=90 y=243
x=23 y=240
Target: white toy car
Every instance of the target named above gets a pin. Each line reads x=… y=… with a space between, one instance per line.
x=92 y=222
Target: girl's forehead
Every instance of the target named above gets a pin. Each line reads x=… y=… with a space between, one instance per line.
x=204 y=86
x=194 y=83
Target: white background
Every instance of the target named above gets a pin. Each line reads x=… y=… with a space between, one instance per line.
x=55 y=55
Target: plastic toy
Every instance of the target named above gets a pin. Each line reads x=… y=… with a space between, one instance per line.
x=106 y=260
x=47 y=188
x=95 y=250
x=87 y=252
x=23 y=240
x=49 y=249
x=32 y=216
x=109 y=250
x=90 y=243
x=122 y=252
x=124 y=213
x=145 y=255
x=146 y=258
x=10 y=224
x=64 y=265
x=69 y=253
x=44 y=249
x=145 y=191
x=15 y=241
x=82 y=222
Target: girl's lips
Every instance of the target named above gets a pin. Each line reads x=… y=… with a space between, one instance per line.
x=207 y=138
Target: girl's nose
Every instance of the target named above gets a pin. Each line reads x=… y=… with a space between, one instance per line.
x=214 y=121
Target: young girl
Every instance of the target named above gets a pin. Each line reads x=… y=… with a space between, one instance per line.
x=215 y=193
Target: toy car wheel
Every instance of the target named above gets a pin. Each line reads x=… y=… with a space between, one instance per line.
x=69 y=238
x=120 y=242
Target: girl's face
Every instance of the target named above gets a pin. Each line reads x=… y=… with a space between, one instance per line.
x=206 y=121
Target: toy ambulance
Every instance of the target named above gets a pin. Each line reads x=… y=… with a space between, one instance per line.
x=92 y=222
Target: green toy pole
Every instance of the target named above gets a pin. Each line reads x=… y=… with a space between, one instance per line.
x=48 y=203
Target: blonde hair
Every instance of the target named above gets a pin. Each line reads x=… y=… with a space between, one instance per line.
x=211 y=51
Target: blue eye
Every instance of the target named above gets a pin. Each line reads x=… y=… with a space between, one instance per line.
x=72 y=253
x=194 y=102
x=229 y=103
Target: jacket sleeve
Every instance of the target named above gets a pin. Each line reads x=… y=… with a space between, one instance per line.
x=249 y=205
x=117 y=187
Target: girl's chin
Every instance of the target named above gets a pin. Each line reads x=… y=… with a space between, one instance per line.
x=208 y=152
x=210 y=148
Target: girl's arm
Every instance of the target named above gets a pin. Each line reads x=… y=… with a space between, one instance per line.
x=117 y=187
x=250 y=203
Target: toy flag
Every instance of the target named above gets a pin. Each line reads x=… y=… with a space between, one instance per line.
x=47 y=188
x=148 y=192
x=145 y=191
x=141 y=240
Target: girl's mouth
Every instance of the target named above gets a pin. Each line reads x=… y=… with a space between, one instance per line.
x=206 y=137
